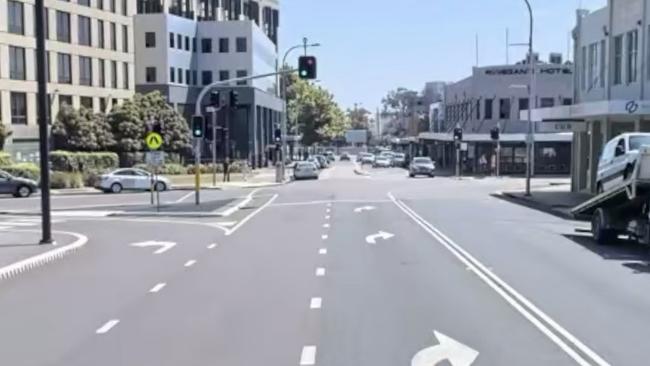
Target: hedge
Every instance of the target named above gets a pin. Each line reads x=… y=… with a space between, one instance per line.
x=167 y=169
x=24 y=170
x=5 y=159
x=60 y=180
x=235 y=167
x=67 y=161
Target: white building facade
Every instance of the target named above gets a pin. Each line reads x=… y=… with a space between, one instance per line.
x=90 y=55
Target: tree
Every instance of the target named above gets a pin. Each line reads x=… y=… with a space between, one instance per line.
x=401 y=105
x=359 y=118
x=127 y=127
x=5 y=133
x=74 y=130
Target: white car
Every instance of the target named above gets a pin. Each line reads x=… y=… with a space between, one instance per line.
x=618 y=159
x=131 y=179
x=382 y=162
x=305 y=170
x=367 y=158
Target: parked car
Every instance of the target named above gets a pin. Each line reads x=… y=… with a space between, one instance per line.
x=131 y=179
x=422 y=166
x=19 y=187
x=330 y=156
x=618 y=159
x=322 y=160
x=345 y=157
x=305 y=170
x=382 y=162
x=367 y=158
x=399 y=160
x=312 y=159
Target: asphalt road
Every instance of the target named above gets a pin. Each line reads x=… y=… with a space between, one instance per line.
x=346 y=270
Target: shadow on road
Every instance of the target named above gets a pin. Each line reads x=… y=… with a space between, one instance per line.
x=633 y=255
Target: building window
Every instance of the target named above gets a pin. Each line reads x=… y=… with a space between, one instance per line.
x=187 y=43
x=17 y=63
x=504 y=108
x=84 y=2
x=86 y=102
x=15 y=17
x=125 y=75
x=150 y=39
x=113 y=37
x=478 y=109
x=193 y=44
x=224 y=45
x=100 y=4
x=114 y=74
x=125 y=38
x=583 y=69
x=172 y=75
x=592 y=61
x=618 y=60
x=171 y=40
x=601 y=71
x=100 y=33
x=179 y=41
x=102 y=72
x=84 y=30
x=188 y=79
x=64 y=69
x=567 y=101
x=224 y=75
x=179 y=72
x=65 y=100
x=547 y=102
x=632 y=52
x=206 y=45
x=240 y=44
x=125 y=7
x=62 y=26
x=194 y=78
x=242 y=74
x=150 y=74
x=102 y=105
x=18 y=108
x=113 y=6
x=488 y=108
x=114 y=102
x=85 y=71
x=206 y=77
x=523 y=104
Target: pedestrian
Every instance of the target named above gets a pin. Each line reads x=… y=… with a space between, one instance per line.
x=482 y=161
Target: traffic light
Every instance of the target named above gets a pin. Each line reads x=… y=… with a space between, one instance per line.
x=215 y=99
x=458 y=134
x=234 y=99
x=277 y=133
x=198 y=127
x=307 y=67
x=494 y=133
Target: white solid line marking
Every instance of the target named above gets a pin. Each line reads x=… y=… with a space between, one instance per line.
x=184 y=197
x=324 y=236
x=212 y=246
x=229 y=211
x=190 y=263
x=106 y=327
x=158 y=287
x=326 y=225
x=242 y=222
x=320 y=271
x=308 y=355
x=315 y=303
x=322 y=251
x=512 y=297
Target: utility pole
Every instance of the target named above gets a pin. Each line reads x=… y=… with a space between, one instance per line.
x=226 y=163
x=531 y=103
x=214 y=146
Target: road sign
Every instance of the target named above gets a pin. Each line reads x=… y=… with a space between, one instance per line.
x=153 y=140
x=155 y=158
x=463 y=146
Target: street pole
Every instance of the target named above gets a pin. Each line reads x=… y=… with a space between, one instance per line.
x=214 y=147
x=44 y=148
x=458 y=159
x=226 y=165
x=197 y=171
x=531 y=103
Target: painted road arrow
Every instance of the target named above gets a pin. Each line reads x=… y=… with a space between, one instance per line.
x=364 y=208
x=372 y=239
x=447 y=349
x=164 y=245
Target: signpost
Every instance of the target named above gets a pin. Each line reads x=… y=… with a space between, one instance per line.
x=154 y=159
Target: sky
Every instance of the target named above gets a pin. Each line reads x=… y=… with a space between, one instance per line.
x=369 y=47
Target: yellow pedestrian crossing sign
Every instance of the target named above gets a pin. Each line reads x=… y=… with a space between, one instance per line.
x=153 y=140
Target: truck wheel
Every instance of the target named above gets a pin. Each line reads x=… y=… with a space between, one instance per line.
x=600 y=222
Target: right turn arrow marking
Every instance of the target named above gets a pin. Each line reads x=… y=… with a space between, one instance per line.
x=447 y=349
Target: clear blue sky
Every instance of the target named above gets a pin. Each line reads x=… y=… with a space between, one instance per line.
x=372 y=46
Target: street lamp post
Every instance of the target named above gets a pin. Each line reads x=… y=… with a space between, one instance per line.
x=531 y=103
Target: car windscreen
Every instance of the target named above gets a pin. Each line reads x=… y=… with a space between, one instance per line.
x=422 y=161
x=637 y=141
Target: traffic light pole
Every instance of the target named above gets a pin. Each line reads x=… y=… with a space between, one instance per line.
x=197 y=171
x=458 y=159
x=214 y=147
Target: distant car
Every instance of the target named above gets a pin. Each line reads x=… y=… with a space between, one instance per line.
x=19 y=187
x=305 y=170
x=422 y=166
x=345 y=157
x=618 y=159
x=367 y=158
x=131 y=179
x=382 y=162
x=330 y=156
x=312 y=159
x=322 y=160
x=399 y=160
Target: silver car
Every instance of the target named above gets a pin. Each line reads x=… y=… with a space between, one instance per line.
x=305 y=170
x=19 y=187
x=618 y=159
x=422 y=166
x=132 y=179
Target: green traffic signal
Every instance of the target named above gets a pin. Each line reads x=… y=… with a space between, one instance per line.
x=307 y=67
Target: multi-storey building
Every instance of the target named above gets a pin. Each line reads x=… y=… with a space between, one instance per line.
x=90 y=62
x=183 y=46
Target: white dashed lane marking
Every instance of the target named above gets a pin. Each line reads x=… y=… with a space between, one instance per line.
x=190 y=263
x=315 y=303
x=322 y=251
x=324 y=236
x=320 y=271
x=308 y=356
x=212 y=246
x=158 y=287
x=108 y=326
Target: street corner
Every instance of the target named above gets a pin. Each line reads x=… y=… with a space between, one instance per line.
x=21 y=249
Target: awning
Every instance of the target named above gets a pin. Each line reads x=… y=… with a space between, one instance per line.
x=509 y=137
x=589 y=110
